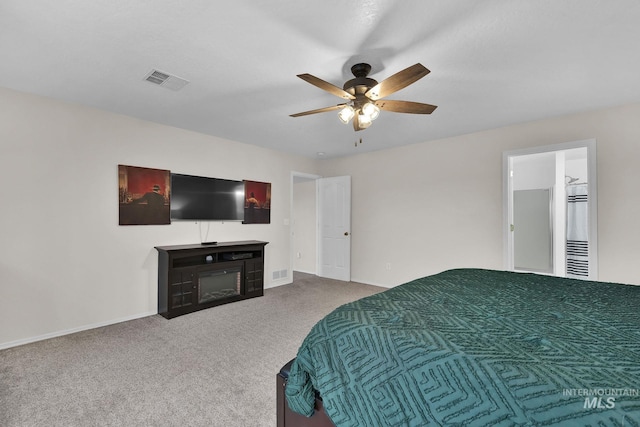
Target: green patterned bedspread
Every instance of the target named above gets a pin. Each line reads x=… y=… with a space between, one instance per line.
x=477 y=348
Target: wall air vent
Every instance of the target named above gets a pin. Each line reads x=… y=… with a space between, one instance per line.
x=167 y=80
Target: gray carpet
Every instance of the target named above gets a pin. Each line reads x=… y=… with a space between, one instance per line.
x=215 y=367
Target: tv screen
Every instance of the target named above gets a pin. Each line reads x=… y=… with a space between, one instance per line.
x=202 y=198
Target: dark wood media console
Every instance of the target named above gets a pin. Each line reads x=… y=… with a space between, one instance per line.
x=196 y=277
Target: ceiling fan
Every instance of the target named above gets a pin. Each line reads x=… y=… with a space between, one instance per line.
x=364 y=95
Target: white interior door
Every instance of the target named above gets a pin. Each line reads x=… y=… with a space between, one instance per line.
x=334 y=227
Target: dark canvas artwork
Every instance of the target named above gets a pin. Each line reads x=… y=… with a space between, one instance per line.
x=144 y=195
x=257 y=206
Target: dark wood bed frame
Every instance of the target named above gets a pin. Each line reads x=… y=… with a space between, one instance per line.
x=288 y=418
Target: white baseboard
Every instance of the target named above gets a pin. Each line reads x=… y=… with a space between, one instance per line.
x=279 y=282
x=366 y=282
x=29 y=340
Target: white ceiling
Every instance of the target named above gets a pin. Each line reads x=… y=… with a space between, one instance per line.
x=493 y=62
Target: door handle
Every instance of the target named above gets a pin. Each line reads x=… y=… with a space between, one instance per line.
x=346 y=233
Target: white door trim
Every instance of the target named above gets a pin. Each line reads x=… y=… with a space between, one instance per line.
x=590 y=144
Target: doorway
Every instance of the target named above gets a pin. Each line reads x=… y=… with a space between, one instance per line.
x=550 y=210
x=320 y=238
x=303 y=237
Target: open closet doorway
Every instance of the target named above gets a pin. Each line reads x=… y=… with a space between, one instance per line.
x=550 y=210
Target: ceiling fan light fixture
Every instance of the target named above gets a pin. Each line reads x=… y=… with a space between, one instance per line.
x=371 y=110
x=346 y=114
x=364 y=120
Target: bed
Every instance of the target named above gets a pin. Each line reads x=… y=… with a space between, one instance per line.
x=478 y=348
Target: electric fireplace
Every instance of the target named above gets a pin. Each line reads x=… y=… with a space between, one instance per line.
x=218 y=284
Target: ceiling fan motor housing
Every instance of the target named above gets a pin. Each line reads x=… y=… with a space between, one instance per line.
x=361 y=84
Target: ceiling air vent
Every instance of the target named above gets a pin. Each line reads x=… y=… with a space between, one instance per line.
x=166 y=80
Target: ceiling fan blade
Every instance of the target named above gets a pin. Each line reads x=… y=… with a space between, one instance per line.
x=398 y=81
x=335 y=90
x=405 y=107
x=319 y=110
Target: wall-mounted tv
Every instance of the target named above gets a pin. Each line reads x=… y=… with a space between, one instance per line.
x=206 y=199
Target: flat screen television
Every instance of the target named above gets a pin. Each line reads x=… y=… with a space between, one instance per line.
x=206 y=199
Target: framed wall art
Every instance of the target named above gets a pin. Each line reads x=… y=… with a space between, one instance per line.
x=257 y=206
x=144 y=195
